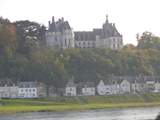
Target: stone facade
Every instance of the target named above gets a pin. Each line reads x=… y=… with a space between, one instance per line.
x=105 y=37
x=27 y=90
x=9 y=91
x=88 y=89
x=60 y=34
x=71 y=89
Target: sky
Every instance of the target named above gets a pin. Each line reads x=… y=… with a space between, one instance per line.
x=130 y=16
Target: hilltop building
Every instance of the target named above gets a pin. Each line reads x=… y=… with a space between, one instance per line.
x=105 y=37
x=60 y=34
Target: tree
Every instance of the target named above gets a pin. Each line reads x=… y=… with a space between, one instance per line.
x=148 y=40
x=30 y=35
x=8 y=41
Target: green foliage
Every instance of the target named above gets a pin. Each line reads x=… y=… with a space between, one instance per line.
x=22 y=57
x=55 y=67
x=9 y=106
x=148 y=40
x=8 y=40
x=30 y=35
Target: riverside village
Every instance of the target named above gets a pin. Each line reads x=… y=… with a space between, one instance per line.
x=116 y=85
x=59 y=34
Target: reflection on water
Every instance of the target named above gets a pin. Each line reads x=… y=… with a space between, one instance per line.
x=111 y=114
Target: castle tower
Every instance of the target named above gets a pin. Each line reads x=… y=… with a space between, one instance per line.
x=59 y=34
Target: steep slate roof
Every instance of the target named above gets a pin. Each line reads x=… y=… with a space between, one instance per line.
x=86 y=84
x=27 y=84
x=62 y=25
x=84 y=36
x=71 y=83
x=59 y=26
x=108 y=30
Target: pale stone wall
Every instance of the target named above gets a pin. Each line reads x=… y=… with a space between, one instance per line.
x=58 y=39
x=70 y=91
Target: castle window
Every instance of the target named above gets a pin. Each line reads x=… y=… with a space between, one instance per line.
x=65 y=42
x=56 y=39
x=114 y=40
x=83 y=44
x=26 y=90
x=69 y=42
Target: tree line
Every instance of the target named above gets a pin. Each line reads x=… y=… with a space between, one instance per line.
x=24 y=57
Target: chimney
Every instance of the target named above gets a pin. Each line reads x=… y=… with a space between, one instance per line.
x=49 y=23
x=53 y=19
x=113 y=24
x=62 y=19
x=106 y=18
x=59 y=20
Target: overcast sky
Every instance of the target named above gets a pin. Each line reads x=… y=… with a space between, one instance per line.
x=130 y=16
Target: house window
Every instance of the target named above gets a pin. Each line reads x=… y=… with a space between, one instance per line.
x=85 y=89
x=56 y=39
x=21 y=90
x=26 y=90
x=65 y=42
x=70 y=89
x=34 y=90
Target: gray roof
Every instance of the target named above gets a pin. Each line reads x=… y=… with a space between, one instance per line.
x=86 y=85
x=27 y=84
x=108 y=30
x=84 y=36
x=71 y=83
x=59 y=26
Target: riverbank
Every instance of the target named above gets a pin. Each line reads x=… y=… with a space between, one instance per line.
x=9 y=106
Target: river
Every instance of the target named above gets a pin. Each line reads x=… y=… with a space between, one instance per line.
x=107 y=114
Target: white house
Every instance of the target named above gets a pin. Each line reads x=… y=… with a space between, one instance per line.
x=101 y=88
x=125 y=86
x=4 y=92
x=27 y=90
x=104 y=87
x=14 y=91
x=71 y=89
x=9 y=91
x=115 y=87
x=157 y=87
x=88 y=89
x=138 y=85
x=150 y=85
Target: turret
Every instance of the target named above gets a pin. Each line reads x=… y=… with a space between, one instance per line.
x=107 y=19
x=49 y=23
x=62 y=19
x=53 y=19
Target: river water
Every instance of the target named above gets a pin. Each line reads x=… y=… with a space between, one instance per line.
x=109 y=114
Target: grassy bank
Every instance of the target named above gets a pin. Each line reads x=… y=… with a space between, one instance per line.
x=78 y=103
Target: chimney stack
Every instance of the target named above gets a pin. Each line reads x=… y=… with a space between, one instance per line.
x=62 y=19
x=53 y=19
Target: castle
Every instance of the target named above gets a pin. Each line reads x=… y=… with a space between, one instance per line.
x=60 y=34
